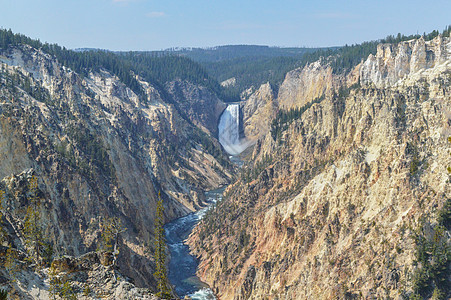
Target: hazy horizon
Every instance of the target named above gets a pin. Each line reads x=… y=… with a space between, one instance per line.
x=148 y=25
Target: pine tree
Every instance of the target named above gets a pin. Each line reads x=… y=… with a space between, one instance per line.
x=3 y=294
x=2 y=230
x=33 y=232
x=160 y=252
x=111 y=230
x=12 y=263
x=60 y=286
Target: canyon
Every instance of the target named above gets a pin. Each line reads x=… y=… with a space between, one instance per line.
x=336 y=183
x=100 y=152
x=337 y=201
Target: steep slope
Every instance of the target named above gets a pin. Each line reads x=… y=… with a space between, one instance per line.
x=259 y=109
x=199 y=104
x=316 y=79
x=342 y=200
x=99 y=151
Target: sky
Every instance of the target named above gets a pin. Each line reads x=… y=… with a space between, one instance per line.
x=162 y=24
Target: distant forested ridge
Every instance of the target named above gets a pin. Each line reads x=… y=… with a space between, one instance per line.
x=250 y=65
x=80 y=62
x=255 y=65
x=167 y=67
x=157 y=69
x=232 y=52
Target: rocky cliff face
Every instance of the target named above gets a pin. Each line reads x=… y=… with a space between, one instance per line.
x=91 y=276
x=345 y=201
x=305 y=84
x=200 y=105
x=99 y=151
x=394 y=62
x=259 y=110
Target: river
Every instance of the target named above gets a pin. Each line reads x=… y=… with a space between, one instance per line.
x=182 y=265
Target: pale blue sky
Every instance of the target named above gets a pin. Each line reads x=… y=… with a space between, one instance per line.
x=155 y=25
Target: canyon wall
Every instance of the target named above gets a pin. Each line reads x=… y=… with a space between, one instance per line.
x=100 y=151
x=343 y=200
x=259 y=109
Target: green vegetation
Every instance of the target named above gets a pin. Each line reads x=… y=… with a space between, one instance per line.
x=444 y=215
x=160 y=253
x=87 y=290
x=433 y=258
x=255 y=65
x=249 y=173
x=198 y=136
x=250 y=65
x=11 y=258
x=11 y=262
x=449 y=167
x=159 y=69
x=415 y=162
x=285 y=118
x=156 y=68
x=111 y=229
x=60 y=287
x=81 y=62
x=231 y=52
x=2 y=230
x=95 y=153
x=347 y=57
x=251 y=72
x=33 y=229
x=3 y=294
x=15 y=81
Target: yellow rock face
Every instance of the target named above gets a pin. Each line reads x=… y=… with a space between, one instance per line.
x=330 y=209
x=99 y=150
x=258 y=111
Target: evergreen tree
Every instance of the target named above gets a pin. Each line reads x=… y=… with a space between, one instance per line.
x=2 y=230
x=33 y=229
x=59 y=285
x=12 y=262
x=160 y=252
x=3 y=294
x=111 y=230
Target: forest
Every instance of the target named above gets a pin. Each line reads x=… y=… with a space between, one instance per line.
x=270 y=64
x=250 y=65
x=157 y=69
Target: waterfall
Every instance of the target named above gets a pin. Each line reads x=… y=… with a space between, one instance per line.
x=229 y=130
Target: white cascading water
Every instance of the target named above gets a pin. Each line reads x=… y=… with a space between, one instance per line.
x=229 y=130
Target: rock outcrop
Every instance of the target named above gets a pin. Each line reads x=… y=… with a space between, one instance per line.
x=313 y=81
x=90 y=276
x=339 y=205
x=259 y=109
x=200 y=105
x=395 y=62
